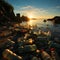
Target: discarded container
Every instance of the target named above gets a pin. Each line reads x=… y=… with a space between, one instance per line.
x=45 y=55
x=9 y=55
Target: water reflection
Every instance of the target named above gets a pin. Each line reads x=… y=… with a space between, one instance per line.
x=30 y=22
x=42 y=25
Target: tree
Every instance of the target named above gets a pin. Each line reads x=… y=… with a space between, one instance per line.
x=24 y=18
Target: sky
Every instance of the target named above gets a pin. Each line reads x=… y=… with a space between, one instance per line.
x=36 y=8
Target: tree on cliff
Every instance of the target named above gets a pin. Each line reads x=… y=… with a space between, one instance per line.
x=7 y=14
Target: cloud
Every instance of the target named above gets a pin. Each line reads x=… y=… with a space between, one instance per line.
x=36 y=12
x=54 y=11
x=58 y=7
x=26 y=7
x=33 y=10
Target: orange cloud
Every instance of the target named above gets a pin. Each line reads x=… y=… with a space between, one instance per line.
x=33 y=11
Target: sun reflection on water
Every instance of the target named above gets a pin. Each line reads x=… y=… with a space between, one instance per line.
x=30 y=22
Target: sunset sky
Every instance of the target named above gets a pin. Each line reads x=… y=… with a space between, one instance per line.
x=36 y=8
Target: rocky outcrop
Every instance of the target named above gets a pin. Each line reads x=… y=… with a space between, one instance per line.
x=6 y=12
x=56 y=19
x=7 y=15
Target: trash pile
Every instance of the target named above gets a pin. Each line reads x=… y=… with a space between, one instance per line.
x=28 y=44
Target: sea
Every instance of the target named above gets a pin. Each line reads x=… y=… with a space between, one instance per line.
x=48 y=25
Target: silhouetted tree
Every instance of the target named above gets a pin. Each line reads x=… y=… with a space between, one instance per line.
x=18 y=18
x=24 y=18
x=7 y=14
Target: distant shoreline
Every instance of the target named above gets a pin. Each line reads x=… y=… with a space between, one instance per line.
x=55 y=20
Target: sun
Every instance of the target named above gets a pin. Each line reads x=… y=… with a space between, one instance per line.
x=30 y=16
x=30 y=22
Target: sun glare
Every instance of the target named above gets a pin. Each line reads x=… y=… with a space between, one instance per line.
x=30 y=22
x=30 y=16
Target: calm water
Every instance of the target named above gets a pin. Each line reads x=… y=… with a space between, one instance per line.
x=41 y=24
x=44 y=25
